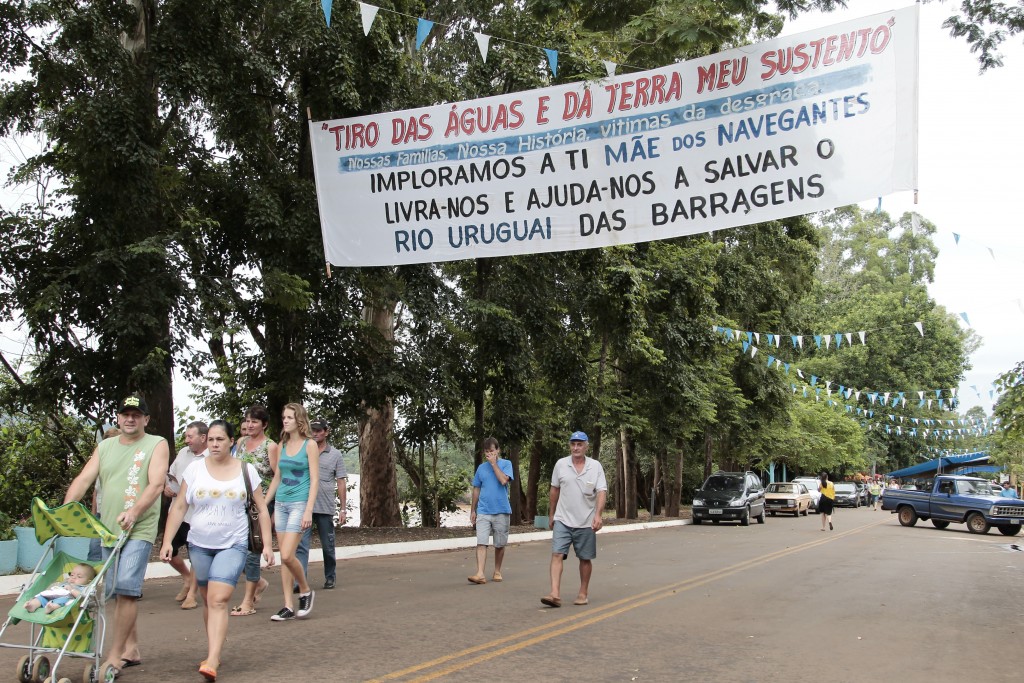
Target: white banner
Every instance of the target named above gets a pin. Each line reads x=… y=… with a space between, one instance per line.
x=782 y=128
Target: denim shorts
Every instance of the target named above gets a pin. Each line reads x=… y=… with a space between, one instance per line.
x=583 y=541
x=222 y=565
x=130 y=568
x=288 y=516
x=496 y=525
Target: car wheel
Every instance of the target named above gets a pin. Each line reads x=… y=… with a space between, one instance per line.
x=745 y=519
x=907 y=516
x=772 y=514
x=697 y=521
x=1009 y=529
x=976 y=524
x=761 y=517
x=939 y=523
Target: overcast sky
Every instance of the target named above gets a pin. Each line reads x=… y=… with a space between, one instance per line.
x=971 y=142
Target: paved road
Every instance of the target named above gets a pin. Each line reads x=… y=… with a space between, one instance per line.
x=870 y=601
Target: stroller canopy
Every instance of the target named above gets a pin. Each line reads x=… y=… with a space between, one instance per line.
x=71 y=519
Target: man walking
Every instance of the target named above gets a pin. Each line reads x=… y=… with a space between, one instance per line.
x=491 y=512
x=578 y=493
x=131 y=470
x=195 y=449
x=333 y=477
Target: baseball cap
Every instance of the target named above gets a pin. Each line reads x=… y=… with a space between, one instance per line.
x=579 y=436
x=319 y=424
x=133 y=403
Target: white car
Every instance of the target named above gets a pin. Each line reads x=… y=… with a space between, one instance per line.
x=813 y=487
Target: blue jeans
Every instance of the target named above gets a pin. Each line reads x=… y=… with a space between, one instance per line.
x=325 y=528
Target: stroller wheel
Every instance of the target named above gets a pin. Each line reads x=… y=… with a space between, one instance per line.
x=51 y=679
x=23 y=673
x=107 y=674
x=41 y=669
x=89 y=675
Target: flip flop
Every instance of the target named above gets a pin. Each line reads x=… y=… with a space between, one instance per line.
x=239 y=612
x=125 y=663
x=477 y=580
x=581 y=601
x=496 y=578
x=207 y=671
x=551 y=602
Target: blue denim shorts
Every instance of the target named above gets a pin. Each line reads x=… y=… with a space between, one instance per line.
x=496 y=525
x=583 y=541
x=222 y=565
x=288 y=516
x=130 y=568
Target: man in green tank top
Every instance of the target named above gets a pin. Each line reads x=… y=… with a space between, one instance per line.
x=130 y=470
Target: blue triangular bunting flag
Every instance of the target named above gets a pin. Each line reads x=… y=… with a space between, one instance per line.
x=552 y=61
x=423 y=27
x=326 y=4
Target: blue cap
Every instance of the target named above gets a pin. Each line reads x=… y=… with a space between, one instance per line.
x=579 y=436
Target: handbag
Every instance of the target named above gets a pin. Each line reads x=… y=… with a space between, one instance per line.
x=252 y=515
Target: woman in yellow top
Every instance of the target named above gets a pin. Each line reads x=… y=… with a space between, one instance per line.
x=827 y=501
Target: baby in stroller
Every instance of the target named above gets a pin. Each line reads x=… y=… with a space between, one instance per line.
x=60 y=594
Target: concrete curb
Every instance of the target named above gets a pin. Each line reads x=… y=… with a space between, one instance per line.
x=13 y=584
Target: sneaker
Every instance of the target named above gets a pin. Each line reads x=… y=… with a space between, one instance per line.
x=284 y=615
x=305 y=604
x=329 y=584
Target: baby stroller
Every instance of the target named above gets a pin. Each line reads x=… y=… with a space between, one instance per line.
x=77 y=628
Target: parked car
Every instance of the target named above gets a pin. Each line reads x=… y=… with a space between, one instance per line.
x=847 y=494
x=997 y=490
x=736 y=496
x=788 y=497
x=813 y=487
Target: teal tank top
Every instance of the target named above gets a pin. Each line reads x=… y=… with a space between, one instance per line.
x=295 y=479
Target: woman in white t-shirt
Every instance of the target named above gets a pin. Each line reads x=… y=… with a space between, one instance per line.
x=219 y=534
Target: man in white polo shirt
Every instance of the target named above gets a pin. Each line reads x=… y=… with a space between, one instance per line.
x=577 y=498
x=195 y=449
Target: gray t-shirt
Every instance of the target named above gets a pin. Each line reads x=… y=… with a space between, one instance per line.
x=577 y=497
x=332 y=468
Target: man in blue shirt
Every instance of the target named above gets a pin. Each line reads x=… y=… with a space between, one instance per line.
x=491 y=511
x=1008 y=491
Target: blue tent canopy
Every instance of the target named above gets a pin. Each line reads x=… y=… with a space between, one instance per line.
x=953 y=464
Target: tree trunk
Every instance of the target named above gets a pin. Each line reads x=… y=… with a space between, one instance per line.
x=673 y=488
x=378 y=485
x=533 y=478
x=629 y=474
x=707 y=453
x=620 y=478
x=515 y=488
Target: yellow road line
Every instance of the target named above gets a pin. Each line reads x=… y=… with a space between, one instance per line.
x=569 y=624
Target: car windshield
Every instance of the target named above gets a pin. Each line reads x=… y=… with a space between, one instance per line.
x=976 y=487
x=783 y=488
x=846 y=488
x=811 y=484
x=723 y=483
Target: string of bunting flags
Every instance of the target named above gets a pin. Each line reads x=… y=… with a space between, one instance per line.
x=926 y=428
x=797 y=340
x=368 y=13
x=883 y=397
x=890 y=398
